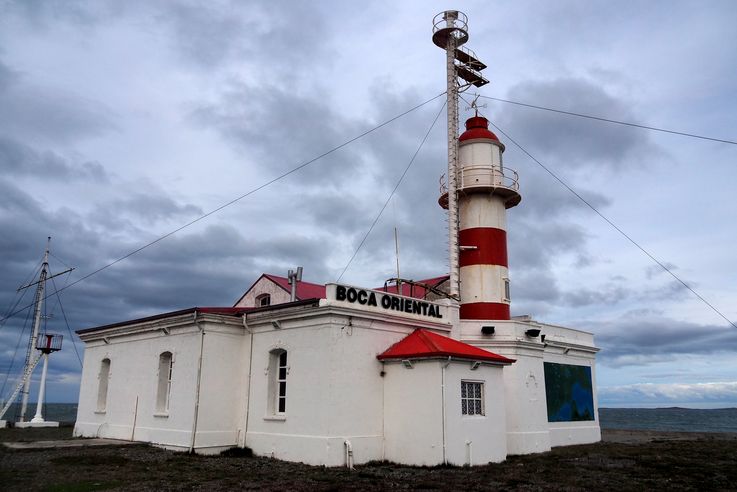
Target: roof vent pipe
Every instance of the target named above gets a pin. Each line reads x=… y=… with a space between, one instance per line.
x=294 y=277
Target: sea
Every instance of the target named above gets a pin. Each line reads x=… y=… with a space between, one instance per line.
x=657 y=419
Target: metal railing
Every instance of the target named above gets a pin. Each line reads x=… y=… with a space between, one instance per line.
x=483 y=177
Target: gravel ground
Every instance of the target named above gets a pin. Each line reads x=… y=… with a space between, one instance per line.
x=625 y=460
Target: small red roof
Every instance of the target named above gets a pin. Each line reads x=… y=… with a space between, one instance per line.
x=305 y=290
x=423 y=343
x=477 y=127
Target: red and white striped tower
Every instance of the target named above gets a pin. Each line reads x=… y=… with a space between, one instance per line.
x=485 y=191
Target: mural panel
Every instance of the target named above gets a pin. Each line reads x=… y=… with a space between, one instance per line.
x=568 y=391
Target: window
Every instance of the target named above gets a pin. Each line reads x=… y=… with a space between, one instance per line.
x=506 y=290
x=472 y=398
x=166 y=365
x=102 y=383
x=278 y=370
x=263 y=300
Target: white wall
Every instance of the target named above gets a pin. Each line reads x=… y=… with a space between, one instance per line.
x=134 y=364
x=413 y=418
x=415 y=414
x=471 y=439
x=223 y=392
x=334 y=387
x=133 y=381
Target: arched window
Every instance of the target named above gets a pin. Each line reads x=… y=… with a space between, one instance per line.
x=102 y=383
x=278 y=370
x=263 y=300
x=163 y=392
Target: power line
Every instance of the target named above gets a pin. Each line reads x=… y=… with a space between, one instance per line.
x=613 y=225
x=401 y=178
x=237 y=199
x=608 y=120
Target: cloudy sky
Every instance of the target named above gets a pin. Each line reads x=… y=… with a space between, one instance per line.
x=122 y=121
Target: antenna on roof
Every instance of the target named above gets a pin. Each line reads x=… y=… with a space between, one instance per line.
x=396 y=249
x=294 y=277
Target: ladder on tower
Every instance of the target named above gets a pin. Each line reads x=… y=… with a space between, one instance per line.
x=26 y=375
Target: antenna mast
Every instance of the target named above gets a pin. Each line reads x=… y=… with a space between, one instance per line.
x=36 y=326
x=450 y=32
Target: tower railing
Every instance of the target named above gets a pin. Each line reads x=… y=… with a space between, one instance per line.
x=484 y=177
x=488 y=176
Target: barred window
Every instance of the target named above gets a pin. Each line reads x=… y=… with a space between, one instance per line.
x=472 y=398
x=282 y=380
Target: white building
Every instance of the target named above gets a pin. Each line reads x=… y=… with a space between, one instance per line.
x=344 y=374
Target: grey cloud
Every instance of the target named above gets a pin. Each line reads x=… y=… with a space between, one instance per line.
x=7 y=76
x=278 y=131
x=80 y=13
x=608 y=294
x=533 y=245
x=643 y=339
x=17 y=159
x=213 y=33
x=146 y=208
x=48 y=115
x=573 y=142
x=544 y=198
x=653 y=271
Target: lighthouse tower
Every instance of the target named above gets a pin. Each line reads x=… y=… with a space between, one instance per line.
x=479 y=189
x=486 y=189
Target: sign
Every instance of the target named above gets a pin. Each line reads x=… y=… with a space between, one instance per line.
x=377 y=300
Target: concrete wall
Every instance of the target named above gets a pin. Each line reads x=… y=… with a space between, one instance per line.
x=472 y=439
x=421 y=401
x=132 y=388
x=413 y=413
x=224 y=391
x=334 y=389
x=131 y=411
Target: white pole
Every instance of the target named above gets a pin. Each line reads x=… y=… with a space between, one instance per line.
x=41 y=391
x=34 y=336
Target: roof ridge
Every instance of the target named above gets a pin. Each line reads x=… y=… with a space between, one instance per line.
x=425 y=335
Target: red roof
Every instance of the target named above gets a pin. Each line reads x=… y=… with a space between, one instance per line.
x=477 y=127
x=423 y=343
x=305 y=290
x=416 y=291
x=308 y=290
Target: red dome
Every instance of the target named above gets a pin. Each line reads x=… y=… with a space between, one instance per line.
x=477 y=127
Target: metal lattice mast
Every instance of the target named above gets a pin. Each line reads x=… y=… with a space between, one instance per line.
x=452 y=95
x=450 y=32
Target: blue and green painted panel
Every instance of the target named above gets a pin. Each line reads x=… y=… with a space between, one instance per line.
x=568 y=392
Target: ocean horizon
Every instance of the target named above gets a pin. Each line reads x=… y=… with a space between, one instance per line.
x=675 y=419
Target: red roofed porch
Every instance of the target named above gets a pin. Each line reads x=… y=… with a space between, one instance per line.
x=424 y=344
